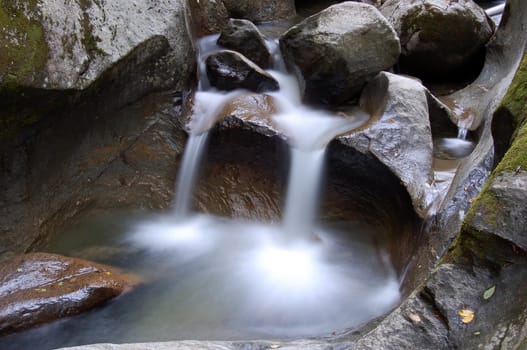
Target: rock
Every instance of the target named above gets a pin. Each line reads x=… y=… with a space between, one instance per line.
x=400 y=135
x=206 y=17
x=40 y=287
x=261 y=11
x=57 y=45
x=254 y=109
x=242 y=36
x=439 y=38
x=339 y=49
x=229 y=70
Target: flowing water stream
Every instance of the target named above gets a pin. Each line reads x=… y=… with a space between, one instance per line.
x=207 y=277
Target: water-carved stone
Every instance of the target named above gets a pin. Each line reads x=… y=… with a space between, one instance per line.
x=243 y=36
x=229 y=70
x=339 y=49
x=399 y=135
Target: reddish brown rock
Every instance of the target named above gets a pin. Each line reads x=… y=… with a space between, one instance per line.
x=40 y=287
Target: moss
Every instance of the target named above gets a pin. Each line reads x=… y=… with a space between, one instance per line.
x=515 y=100
x=88 y=40
x=22 y=43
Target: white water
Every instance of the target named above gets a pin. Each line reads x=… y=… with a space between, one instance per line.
x=188 y=173
x=302 y=193
x=462 y=133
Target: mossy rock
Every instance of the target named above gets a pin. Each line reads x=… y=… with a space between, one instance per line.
x=22 y=43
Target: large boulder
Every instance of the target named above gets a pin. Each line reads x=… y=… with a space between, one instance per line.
x=261 y=11
x=52 y=44
x=339 y=49
x=439 y=37
x=39 y=287
x=243 y=36
x=229 y=70
x=399 y=134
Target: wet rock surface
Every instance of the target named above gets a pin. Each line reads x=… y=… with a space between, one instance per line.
x=439 y=38
x=230 y=70
x=208 y=17
x=339 y=49
x=400 y=135
x=40 y=287
x=261 y=11
x=243 y=36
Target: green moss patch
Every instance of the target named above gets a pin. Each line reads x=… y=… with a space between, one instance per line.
x=22 y=43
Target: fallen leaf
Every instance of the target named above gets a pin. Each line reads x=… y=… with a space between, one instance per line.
x=61 y=283
x=477 y=333
x=466 y=315
x=489 y=293
x=275 y=346
x=471 y=200
x=108 y=273
x=19 y=270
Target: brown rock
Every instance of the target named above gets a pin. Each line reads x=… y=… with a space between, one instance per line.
x=40 y=287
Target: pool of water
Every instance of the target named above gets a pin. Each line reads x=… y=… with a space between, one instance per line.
x=212 y=278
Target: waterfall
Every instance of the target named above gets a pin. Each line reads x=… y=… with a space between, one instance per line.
x=302 y=192
x=188 y=173
x=462 y=133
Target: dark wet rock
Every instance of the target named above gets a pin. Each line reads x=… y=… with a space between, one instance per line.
x=440 y=39
x=339 y=49
x=230 y=70
x=93 y=158
x=261 y=11
x=40 y=287
x=399 y=135
x=250 y=109
x=243 y=36
x=206 y=17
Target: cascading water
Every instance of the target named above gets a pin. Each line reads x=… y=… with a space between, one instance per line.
x=208 y=277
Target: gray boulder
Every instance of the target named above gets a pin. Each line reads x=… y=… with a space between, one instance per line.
x=206 y=17
x=230 y=70
x=262 y=10
x=242 y=35
x=339 y=49
x=439 y=37
x=57 y=45
x=399 y=134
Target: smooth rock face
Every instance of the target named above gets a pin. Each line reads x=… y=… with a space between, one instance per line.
x=229 y=70
x=242 y=36
x=39 y=287
x=72 y=43
x=339 y=49
x=206 y=17
x=438 y=37
x=262 y=10
x=400 y=135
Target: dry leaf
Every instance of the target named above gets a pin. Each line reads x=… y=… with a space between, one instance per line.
x=275 y=346
x=489 y=293
x=467 y=316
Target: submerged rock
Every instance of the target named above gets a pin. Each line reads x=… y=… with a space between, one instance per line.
x=399 y=135
x=230 y=70
x=242 y=36
x=39 y=287
x=339 y=49
x=261 y=11
x=439 y=38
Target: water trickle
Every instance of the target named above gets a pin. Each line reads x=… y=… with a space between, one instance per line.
x=462 y=133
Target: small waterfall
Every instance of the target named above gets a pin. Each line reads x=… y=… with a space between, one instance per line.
x=302 y=192
x=188 y=173
x=462 y=133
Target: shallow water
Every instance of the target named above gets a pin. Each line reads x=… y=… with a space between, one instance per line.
x=212 y=278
